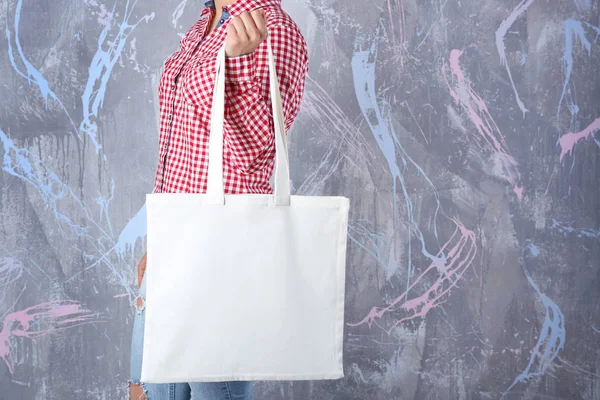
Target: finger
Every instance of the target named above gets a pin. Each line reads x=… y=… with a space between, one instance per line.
x=232 y=33
x=240 y=28
x=260 y=21
x=263 y=26
x=250 y=25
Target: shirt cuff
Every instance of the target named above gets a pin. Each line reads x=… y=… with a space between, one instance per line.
x=239 y=68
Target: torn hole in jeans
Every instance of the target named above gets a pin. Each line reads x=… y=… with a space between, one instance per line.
x=137 y=391
x=140 y=304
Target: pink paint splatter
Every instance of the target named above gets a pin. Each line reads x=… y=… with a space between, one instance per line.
x=489 y=135
x=568 y=141
x=40 y=320
x=455 y=256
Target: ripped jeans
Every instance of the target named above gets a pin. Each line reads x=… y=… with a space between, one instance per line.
x=235 y=390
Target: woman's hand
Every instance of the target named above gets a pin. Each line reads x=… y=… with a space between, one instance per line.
x=245 y=33
x=141 y=268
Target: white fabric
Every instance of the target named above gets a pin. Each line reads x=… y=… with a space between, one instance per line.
x=244 y=286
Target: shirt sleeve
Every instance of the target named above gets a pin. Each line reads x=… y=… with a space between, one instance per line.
x=248 y=128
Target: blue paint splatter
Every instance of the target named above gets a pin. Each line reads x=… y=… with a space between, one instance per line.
x=583 y=5
x=31 y=73
x=552 y=334
x=362 y=234
x=101 y=68
x=23 y=164
x=134 y=229
x=579 y=232
x=26 y=166
x=573 y=28
x=378 y=119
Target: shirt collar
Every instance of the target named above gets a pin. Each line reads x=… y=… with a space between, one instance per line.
x=239 y=6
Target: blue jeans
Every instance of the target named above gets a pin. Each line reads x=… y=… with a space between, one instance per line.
x=235 y=390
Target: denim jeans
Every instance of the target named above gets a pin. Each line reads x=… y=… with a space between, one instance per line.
x=235 y=390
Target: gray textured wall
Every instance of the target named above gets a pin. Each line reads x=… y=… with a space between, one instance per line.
x=464 y=132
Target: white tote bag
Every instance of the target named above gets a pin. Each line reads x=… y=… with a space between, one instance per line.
x=244 y=286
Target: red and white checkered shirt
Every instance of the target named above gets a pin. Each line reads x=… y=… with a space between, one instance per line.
x=185 y=95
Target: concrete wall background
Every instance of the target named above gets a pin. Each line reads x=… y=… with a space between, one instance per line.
x=465 y=133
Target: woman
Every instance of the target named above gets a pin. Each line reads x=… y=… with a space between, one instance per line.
x=185 y=96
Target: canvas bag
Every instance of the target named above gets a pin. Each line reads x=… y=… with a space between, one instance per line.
x=244 y=286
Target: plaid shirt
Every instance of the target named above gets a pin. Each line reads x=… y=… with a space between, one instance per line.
x=185 y=96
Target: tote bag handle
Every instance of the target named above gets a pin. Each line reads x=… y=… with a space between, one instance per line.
x=215 y=186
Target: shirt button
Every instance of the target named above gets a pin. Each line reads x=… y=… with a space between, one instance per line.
x=200 y=63
x=170 y=117
x=173 y=87
x=165 y=146
x=222 y=20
